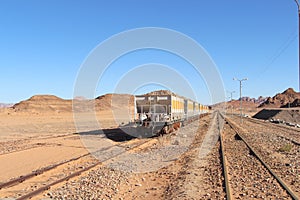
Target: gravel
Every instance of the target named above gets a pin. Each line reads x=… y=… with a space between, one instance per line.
x=248 y=177
x=100 y=183
x=279 y=153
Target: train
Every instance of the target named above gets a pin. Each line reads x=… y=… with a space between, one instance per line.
x=157 y=114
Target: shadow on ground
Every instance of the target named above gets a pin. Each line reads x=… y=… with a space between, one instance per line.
x=115 y=134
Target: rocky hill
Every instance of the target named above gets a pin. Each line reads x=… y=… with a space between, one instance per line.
x=259 y=100
x=288 y=98
x=247 y=102
x=51 y=103
x=43 y=103
x=114 y=101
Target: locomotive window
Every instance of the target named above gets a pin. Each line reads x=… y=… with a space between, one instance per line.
x=146 y=109
x=154 y=109
x=142 y=109
x=160 y=109
x=139 y=109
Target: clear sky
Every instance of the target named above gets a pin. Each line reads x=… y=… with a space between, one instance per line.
x=44 y=43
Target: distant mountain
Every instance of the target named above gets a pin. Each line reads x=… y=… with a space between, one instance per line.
x=259 y=100
x=6 y=105
x=114 y=101
x=288 y=98
x=43 y=103
x=247 y=102
x=51 y=103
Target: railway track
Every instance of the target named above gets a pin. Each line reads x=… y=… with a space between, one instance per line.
x=224 y=160
x=280 y=126
x=40 y=171
x=291 y=134
x=199 y=174
x=247 y=174
x=277 y=150
x=80 y=168
x=26 y=144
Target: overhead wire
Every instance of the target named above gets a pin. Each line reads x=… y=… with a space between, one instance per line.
x=279 y=51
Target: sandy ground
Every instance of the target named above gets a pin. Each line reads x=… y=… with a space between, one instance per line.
x=29 y=142
x=51 y=151
x=32 y=141
x=23 y=125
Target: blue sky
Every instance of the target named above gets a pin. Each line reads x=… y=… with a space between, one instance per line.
x=44 y=43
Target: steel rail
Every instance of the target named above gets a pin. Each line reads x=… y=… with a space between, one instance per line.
x=37 y=172
x=277 y=126
x=224 y=164
x=38 y=145
x=22 y=178
x=74 y=174
x=281 y=182
x=281 y=126
x=46 y=187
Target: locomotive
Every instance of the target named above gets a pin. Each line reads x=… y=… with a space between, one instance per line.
x=157 y=113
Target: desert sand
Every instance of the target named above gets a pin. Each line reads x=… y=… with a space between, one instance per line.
x=42 y=136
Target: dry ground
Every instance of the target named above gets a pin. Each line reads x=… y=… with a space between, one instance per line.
x=32 y=141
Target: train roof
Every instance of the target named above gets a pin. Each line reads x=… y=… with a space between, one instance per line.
x=164 y=93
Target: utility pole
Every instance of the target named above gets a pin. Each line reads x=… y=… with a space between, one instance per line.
x=298 y=5
x=241 y=108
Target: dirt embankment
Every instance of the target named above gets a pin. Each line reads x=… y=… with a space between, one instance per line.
x=287 y=115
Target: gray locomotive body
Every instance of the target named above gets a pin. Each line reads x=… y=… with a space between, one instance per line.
x=161 y=113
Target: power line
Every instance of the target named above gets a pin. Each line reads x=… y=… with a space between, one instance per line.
x=281 y=50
